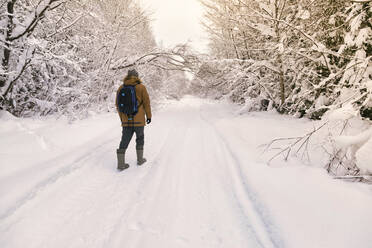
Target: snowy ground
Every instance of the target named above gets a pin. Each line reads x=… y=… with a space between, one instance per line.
x=205 y=185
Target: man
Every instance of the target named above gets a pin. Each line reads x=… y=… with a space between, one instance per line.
x=136 y=123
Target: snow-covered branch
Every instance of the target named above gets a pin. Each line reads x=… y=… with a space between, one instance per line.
x=32 y=20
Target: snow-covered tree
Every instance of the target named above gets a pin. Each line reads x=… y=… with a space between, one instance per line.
x=70 y=56
x=297 y=54
x=18 y=21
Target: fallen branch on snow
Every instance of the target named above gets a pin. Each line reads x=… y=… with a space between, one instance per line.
x=299 y=144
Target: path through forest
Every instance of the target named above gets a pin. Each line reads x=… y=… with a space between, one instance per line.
x=204 y=185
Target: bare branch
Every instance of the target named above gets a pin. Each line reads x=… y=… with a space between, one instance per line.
x=300 y=142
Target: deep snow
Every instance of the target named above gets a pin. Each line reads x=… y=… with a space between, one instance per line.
x=205 y=185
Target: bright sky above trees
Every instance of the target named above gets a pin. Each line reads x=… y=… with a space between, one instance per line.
x=177 y=21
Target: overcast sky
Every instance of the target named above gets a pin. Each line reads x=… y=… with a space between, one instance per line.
x=177 y=21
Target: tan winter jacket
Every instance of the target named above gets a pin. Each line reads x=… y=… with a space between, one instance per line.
x=143 y=99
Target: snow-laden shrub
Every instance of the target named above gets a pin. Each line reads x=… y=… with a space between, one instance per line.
x=347 y=141
x=235 y=80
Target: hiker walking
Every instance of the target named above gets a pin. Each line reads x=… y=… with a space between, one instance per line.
x=132 y=102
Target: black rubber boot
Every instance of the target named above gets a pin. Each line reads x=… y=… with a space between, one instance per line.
x=121 y=159
x=140 y=159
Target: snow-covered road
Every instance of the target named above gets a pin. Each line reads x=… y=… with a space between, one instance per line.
x=203 y=186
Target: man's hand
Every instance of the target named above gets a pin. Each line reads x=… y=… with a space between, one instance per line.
x=148 y=121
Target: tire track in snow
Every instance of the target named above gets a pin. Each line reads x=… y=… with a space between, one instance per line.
x=86 y=200
x=150 y=181
x=266 y=230
x=68 y=203
x=256 y=212
x=68 y=169
x=171 y=188
x=87 y=192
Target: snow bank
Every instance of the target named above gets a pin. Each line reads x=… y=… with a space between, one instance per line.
x=357 y=144
x=360 y=149
x=356 y=140
x=6 y=116
x=8 y=122
x=364 y=157
x=29 y=145
x=344 y=113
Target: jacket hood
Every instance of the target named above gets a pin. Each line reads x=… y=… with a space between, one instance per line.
x=132 y=80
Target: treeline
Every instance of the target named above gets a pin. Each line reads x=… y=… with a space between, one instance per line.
x=69 y=56
x=302 y=57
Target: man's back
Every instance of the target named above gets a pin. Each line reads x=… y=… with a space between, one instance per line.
x=143 y=99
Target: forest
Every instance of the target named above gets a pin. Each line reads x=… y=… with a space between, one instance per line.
x=304 y=58
x=68 y=57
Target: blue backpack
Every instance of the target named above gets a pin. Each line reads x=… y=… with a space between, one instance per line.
x=127 y=100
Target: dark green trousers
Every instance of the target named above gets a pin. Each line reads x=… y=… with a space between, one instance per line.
x=127 y=135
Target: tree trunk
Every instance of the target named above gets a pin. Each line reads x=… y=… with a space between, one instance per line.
x=280 y=59
x=281 y=81
x=7 y=42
